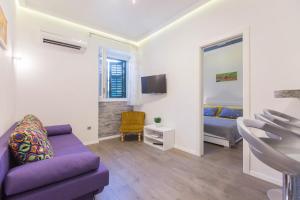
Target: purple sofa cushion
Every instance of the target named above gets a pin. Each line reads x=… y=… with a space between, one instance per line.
x=72 y=188
x=58 y=130
x=5 y=161
x=67 y=144
x=34 y=175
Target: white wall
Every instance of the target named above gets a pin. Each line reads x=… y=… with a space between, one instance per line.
x=218 y=61
x=58 y=85
x=61 y=87
x=274 y=56
x=7 y=76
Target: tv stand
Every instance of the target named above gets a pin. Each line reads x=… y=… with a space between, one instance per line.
x=162 y=138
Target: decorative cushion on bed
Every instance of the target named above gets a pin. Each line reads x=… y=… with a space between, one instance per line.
x=210 y=111
x=219 y=108
x=29 y=143
x=231 y=113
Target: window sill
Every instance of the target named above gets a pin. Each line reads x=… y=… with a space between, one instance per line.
x=113 y=100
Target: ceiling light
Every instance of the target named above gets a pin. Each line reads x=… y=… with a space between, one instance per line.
x=63 y=21
x=207 y=5
x=203 y=7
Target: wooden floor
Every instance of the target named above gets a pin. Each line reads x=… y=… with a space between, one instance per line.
x=138 y=171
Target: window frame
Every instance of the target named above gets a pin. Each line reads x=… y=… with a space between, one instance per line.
x=104 y=97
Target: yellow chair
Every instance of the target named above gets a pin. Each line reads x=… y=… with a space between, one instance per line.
x=132 y=122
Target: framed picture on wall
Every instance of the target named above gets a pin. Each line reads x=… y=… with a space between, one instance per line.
x=3 y=29
x=230 y=76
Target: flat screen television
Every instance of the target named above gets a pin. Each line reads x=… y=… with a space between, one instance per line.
x=154 y=84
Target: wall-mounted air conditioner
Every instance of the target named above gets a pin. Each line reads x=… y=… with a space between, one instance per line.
x=62 y=41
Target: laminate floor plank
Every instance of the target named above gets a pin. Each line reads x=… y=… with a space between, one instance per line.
x=141 y=172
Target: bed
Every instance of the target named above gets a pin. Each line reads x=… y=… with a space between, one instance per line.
x=220 y=126
x=221 y=131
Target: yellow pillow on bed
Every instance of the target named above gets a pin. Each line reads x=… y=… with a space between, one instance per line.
x=220 y=108
x=234 y=107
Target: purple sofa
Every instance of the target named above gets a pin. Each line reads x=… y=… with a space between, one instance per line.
x=74 y=172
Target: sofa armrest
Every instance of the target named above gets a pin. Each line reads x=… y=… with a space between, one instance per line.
x=37 y=174
x=58 y=130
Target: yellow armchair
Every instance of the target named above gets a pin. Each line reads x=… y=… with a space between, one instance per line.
x=132 y=122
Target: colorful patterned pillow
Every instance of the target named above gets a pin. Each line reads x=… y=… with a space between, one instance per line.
x=33 y=121
x=28 y=143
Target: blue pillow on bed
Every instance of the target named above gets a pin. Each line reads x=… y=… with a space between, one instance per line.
x=231 y=113
x=210 y=111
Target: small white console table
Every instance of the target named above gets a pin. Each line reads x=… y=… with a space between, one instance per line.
x=162 y=138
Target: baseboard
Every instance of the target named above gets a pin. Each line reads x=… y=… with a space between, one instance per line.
x=265 y=178
x=109 y=137
x=216 y=140
x=91 y=142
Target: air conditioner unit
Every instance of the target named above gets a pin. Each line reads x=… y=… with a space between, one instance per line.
x=62 y=41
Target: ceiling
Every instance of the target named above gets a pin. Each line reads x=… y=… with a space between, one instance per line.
x=118 y=17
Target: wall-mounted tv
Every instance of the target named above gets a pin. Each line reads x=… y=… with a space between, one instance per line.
x=154 y=84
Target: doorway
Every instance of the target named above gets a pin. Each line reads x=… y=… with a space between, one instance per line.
x=231 y=76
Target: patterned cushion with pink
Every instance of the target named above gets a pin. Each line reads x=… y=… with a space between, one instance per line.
x=29 y=142
x=33 y=121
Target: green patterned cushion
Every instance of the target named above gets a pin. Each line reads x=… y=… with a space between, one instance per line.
x=29 y=143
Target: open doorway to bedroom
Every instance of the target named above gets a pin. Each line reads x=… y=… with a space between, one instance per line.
x=222 y=101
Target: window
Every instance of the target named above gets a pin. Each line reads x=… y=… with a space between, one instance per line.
x=116 y=78
x=112 y=75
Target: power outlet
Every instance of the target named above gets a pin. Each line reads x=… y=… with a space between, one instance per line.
x=89 y=128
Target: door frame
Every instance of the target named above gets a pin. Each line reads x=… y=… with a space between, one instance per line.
x=245 y=34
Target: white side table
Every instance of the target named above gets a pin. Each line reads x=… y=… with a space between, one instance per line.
x=162 y=138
